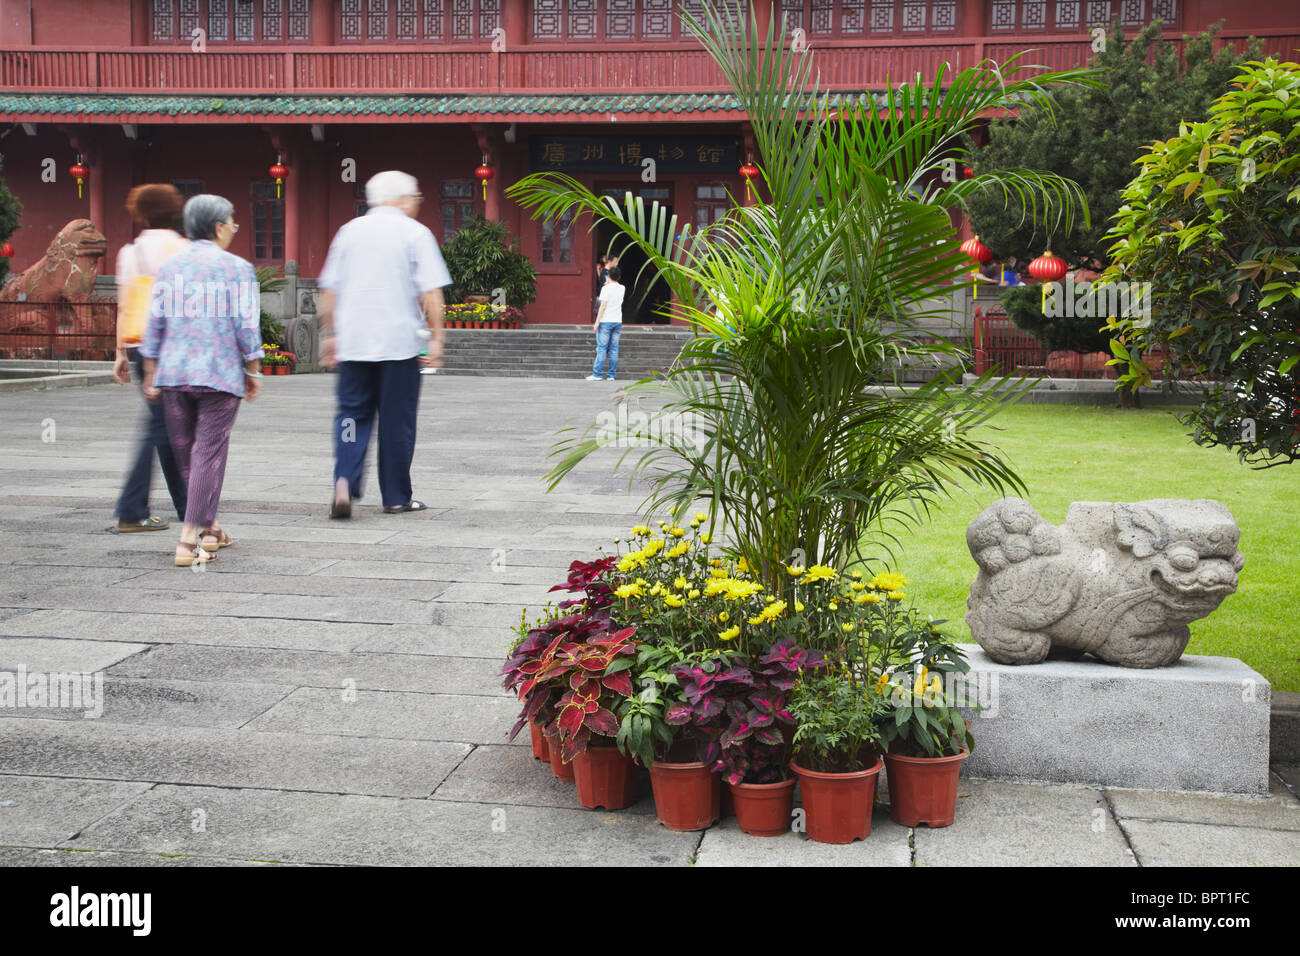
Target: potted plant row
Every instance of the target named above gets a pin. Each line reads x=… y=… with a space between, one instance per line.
x=482 y=315
x=671 y=659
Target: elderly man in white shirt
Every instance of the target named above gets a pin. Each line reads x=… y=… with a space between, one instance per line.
x=380 y=310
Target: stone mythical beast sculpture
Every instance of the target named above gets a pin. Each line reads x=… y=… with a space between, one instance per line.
x=66 y=273
x=1118 y=581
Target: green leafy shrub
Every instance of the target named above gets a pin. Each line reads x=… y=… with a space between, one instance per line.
x=482 y=257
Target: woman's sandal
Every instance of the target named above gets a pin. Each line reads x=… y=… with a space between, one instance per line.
x=222 y=539
x=197 y=556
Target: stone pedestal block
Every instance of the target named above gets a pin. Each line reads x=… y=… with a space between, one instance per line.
x=1201 y=724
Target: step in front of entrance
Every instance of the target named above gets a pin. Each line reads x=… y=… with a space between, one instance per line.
x=557 y=351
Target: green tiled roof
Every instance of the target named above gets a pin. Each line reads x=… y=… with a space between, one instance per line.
x=90 y=104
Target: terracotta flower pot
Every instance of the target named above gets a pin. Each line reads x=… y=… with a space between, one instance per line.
x=562 y=770
x=923 y=789
x=764 y=809
x=838 y=805
x=605 y=778
x=541 y=751
x=687 y=795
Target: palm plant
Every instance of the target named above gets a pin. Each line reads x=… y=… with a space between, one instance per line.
x=803 y=308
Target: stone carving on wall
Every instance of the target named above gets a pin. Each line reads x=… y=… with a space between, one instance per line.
x=66 y=273
x=1118 y=581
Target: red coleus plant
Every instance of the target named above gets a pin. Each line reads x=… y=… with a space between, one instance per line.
x=554 y=668
x=738 y=709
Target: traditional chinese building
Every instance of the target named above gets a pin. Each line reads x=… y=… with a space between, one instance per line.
x=211 y=94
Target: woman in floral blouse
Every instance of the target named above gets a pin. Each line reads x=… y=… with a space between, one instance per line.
x=202 y=354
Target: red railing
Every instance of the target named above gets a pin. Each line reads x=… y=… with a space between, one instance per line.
x=840 y=64
x=85 y=331
x=1005 y=349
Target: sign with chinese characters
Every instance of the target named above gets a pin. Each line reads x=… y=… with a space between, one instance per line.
x=612 y=154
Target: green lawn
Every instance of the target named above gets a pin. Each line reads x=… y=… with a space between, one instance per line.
x=1069 y=453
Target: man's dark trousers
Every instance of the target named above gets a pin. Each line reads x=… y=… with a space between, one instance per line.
x=133 y=505
x=389 y=391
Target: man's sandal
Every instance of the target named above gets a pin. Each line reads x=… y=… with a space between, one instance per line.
x=411 y=505
x=219 y=536
x=197 y=556
x=152 y=523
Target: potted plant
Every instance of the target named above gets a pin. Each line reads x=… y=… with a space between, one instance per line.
x=927 y=738
x=748 y=745
x=535 y=664
x=836 y=718
x=483 y=257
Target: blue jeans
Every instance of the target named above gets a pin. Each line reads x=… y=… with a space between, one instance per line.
x=133 y=505
x=607 y=334
x=390 y=392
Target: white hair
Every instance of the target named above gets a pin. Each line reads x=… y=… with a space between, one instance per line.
x=390 y=186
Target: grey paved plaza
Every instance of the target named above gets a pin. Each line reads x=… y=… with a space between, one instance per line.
x=328 y=693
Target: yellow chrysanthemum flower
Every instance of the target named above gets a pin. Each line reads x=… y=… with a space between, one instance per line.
x=677 y=532
x=769 y=613
x=897 y=595
x=677 y=550
x=701 y=516
x=847 y=628
x=693 y=593
x=731 y=633
x=672 y=600
x=641 y=531
x=881 y=683
x=869 y=598
x=743 y=566
x=681 y=583
x=857 y=575
x=705 y=537
x=718 y=574
x=795 y=570
x=889 y=582
x=724 y=616
x=819 y=572
x=833 y=606
x=798 y=606
x=629 y=591
x=858 y=586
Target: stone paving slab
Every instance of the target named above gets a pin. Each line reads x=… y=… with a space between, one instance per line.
x=1162 y=843
x=493 y=771
x=217 y=757
x=117 y=599
x=395 y=672
x=1289 y=774
x=489 y=571
x=1009 y=824
x=458 y=640
x=18 y=856
x=230 y=579
x=393 y=714
x=1280 y=810
x=327 y=608
x=725 y=844
x=43 y=811
x=179 y=629
x=287 y=827
x=170 y=703
x=37 y=654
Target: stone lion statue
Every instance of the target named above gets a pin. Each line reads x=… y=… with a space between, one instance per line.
x=1118 y=581
x=66 y=273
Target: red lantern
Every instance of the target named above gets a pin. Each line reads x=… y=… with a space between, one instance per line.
x=977 y=250
x=483 y=174
x=7 y=250
x=750 y=172
x=80 y=173
x=1048 y=268
x=279 y=172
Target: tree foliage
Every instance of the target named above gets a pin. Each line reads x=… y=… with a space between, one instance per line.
x=1213 y=222
x=1093 y=135
x=10 y=211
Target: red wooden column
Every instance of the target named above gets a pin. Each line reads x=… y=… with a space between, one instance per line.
x=96 y=187
x=322 y=24
x=764 y=11
x=514 y=18
x=291 y=207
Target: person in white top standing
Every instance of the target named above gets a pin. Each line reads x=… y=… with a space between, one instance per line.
x=381 y=283
x=608 y=326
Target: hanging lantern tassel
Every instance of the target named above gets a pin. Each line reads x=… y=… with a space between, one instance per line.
x=279 y=172
x=750 y=172
x=484 y=173
x=80 y=173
